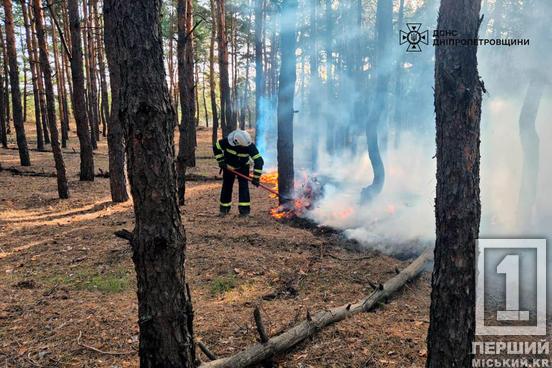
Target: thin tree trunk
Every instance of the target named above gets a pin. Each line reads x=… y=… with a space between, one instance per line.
x=458 y=93
x=64 y=132
x=204 y=97
x=15 y=91
x=3 y=130
x=79 y=104
x=185 y=55
x=63 y=92
x=67 y=56
x=212 y=83
x=315 y=82
x=170 y=61
x=33 y=66
x=286 y=92
x=133 y=33
x=100 y=61
x=384 y=31
x=40 y=80
x=398 y=94
x=243 y=108
x=196 y=93
x=22 y=47
x=63 y=188
x=227 y=122
x=91 y=57
x=92 y=123
x=530 y=144
x=6 y=85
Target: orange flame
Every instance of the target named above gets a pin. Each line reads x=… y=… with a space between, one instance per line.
x=271 y=178
x=297 y=208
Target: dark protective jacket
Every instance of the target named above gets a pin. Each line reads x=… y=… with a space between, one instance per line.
x=238 y=157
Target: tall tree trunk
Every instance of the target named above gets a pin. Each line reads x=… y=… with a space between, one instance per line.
x=79 y=103
x=115 y=131
x=33 y=66
x=212 y=83
x=204 y=97
x=40 y=80
x=170 y=61
x=93 y=127
x=226 y=114
x=286 y=92
x=398 y=115
x=103 y=109
x=67 y=56
x=91 y=57
x=384 y=32
x=196 y=92
x=158 y=241
x=64 y=131
x=63 y=89
x=14 y=81
x=185 y=55
x=530 y=144
x=315 y=82
x=458 y=93
x=244 y=104
x=63 y=188
x=3 y=129
x=6 y=85
x=23 y=61
x=330 y=98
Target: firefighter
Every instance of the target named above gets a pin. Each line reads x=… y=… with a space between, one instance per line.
x=236 y=152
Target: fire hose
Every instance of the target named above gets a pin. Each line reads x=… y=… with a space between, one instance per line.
x=261 y=185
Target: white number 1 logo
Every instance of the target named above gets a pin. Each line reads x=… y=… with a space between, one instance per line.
x=510 y=267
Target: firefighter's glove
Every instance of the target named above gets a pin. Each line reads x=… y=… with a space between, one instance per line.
x=255 y=182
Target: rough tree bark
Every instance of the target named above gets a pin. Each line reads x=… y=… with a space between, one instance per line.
x=79 y=104
x=63 y=188
x=33 y=66
x=14 y=82
x=286 y=92
x=158 y=241
x=458 y=93
x=185 y=56
x=115 y=132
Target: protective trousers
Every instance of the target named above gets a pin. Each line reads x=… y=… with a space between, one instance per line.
x=244 y=204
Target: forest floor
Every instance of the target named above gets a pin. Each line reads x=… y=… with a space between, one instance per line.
x=67 y=284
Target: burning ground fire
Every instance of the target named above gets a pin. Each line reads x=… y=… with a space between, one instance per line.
x=307 y=191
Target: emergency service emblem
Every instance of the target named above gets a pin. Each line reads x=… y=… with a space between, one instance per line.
x=414 y=37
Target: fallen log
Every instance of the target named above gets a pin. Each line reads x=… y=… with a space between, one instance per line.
x=15 y=171
x=260 y=352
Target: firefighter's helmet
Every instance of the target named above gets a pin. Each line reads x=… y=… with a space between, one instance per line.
x=239 y=138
